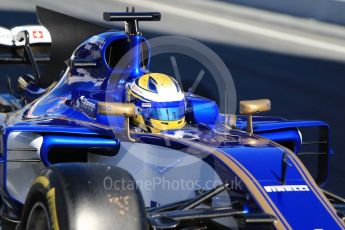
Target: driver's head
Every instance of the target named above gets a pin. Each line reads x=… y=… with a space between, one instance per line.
x=160 y=102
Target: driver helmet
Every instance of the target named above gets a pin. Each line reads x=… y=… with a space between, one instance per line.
x=160 y=102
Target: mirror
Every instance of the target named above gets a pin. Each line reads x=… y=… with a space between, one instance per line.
x=255 y=106
x=251 y=107
x=118 y=109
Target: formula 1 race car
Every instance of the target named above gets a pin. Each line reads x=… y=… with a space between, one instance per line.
x=112 y=145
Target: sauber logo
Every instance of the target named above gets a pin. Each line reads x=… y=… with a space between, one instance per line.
x=287 y=188
x=37 y=34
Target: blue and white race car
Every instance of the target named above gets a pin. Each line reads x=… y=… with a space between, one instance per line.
x=112 y=145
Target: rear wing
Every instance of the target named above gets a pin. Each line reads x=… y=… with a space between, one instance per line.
x=6 y=38
x=12 y=44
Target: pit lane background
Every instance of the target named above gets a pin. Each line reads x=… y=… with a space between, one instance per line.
x=303 y=75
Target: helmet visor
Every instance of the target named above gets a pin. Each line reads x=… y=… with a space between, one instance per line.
x=165 y=114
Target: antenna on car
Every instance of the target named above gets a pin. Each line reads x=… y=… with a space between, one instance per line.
x=132 y=19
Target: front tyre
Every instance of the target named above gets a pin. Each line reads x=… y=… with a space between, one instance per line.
x=74 y=196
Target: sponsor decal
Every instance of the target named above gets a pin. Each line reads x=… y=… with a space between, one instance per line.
x=136 y=89
x=5 y=37
x=287 y=188
x=146 y=105
x=99 y=81
x=52 y=207
x=98 y=41
x=104 y=108
x=87 y=106
x=37 y=34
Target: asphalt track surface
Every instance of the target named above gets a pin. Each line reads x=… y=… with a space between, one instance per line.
x=298 y=63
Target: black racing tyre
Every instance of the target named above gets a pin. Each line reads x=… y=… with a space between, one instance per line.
x=78 y=196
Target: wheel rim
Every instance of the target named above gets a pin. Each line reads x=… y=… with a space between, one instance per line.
x=38 y=218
